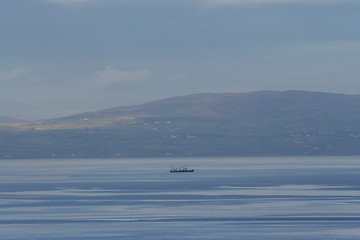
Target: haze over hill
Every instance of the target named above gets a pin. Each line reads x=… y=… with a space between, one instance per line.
x=295 y=110
x=208 y=124
x=4 y=119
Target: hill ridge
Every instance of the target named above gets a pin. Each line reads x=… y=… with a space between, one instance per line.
x=225 y=124
x=205 y=96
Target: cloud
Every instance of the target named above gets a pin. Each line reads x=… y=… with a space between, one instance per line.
x=215 y=3
x=111 y=76
x=14 y=74
x=67 y=1
x=18 y=76
x=258 y=2
x=344 y=47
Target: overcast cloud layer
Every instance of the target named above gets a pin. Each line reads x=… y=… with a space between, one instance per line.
x=217 y=2
x=61 y=57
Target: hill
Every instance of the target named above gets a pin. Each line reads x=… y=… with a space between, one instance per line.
x=209 y=124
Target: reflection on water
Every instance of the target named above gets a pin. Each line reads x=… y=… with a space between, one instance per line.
x=225 y=198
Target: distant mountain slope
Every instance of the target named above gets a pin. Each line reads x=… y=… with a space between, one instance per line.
x=208 y=124
x=233 y=105
x=289 y=109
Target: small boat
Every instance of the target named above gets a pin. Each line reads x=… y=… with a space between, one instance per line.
x=181 y=169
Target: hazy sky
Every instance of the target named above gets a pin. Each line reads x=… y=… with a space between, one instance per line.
x=60 y=57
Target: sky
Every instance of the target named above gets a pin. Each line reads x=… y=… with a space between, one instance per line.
x=61 y=57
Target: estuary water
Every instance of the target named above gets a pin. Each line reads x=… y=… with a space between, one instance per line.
x=225 y=198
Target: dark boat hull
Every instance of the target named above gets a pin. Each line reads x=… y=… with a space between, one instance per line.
x=181 y=171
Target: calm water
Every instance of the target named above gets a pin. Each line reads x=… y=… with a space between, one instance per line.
x=225 y=198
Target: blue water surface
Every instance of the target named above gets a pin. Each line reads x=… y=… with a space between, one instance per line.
x=225 y=198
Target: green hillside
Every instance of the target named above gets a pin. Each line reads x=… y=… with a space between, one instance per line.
x=224 y=124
